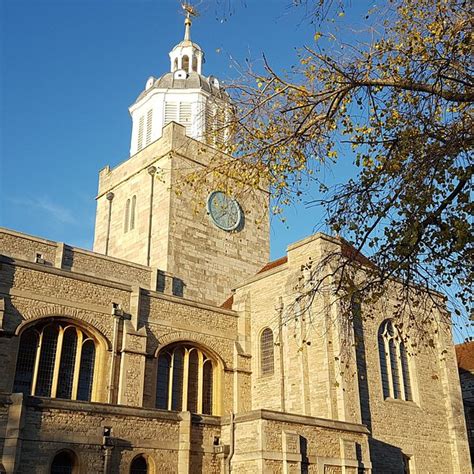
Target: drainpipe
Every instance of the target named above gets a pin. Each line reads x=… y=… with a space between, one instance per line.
x=280 y=347
x=151 y=171
x=231 y=442
x=107 y=459
x=109 y=197
x=117 y=314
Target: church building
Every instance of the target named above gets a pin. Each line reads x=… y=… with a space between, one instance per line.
x=176 y=346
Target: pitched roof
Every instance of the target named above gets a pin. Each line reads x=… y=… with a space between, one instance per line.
x=465 y=355
x=227 y=304
x=274 y=264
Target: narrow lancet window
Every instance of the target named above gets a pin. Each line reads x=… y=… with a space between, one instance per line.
x=266 y=352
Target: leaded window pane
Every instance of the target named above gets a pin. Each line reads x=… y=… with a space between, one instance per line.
x=406 y=372
x=266 y=347
x=46 y=364
x=66 y=367
x=163 y=381
x=394 y=367
x=383 y=367
x=86 y=371
x=177 y=390
x=207 y=382
x=25 y=364
x=193 y=370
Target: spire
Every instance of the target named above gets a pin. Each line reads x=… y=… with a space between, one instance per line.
x=187 y=27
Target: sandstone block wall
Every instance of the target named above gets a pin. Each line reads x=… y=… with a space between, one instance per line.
x=315 y=375
x=182 y=239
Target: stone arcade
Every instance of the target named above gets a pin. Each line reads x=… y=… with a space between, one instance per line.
x=162 y=351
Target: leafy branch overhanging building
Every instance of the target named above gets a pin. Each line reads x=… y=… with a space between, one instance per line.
x=132 y=358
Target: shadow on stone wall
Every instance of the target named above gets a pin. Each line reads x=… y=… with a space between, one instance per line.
x=10 y=319
x=385 y=458
x=197 y=441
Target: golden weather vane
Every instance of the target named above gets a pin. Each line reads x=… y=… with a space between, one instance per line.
x=189 y=9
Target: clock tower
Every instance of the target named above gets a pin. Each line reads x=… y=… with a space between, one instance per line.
x=200 y=238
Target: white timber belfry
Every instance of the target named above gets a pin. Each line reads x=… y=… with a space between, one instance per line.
x=182 y=95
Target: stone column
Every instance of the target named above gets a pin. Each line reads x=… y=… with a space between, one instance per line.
x=12 y=446
x=132 y=366
x=184 y=447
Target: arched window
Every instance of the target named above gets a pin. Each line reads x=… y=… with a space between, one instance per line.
x=132 y=212
x=55 y=359
x=266 y=352
x=65 y=462
x=127 y=216
x=185 y=379
x=195 y=64
x=185 y=63
x=139 y=466
x=394 y=367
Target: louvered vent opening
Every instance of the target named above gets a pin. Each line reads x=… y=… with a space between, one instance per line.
x=171 y=112
x=215 y=124
x=149 y=122
x=185 y=116
x=180 y=113
x=141 y=124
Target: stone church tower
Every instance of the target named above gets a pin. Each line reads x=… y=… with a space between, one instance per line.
x=177 y=127
x=176 y=347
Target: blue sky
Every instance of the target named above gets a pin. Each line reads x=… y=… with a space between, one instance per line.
x=69 y=71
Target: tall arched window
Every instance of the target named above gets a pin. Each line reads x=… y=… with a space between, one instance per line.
x=139 y=466
x=65 y=462
x=126 y=216
x=55 y=359
x=132 y=212
x=185 y=379
x=266 y=352
x=394 y=367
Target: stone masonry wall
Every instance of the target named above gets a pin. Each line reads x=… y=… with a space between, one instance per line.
x=320 y=380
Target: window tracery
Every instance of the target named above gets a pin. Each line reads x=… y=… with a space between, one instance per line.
x=55 y=359
x=185 y=379
x=394 y=365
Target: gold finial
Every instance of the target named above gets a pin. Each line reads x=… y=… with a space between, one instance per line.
x=190 y=11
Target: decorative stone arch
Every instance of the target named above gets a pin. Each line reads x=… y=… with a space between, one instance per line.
x=102 y=343
x=76 y=460
x=53 y=310
x=32 y=320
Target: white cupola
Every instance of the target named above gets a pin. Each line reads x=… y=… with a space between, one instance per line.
x=187 y=55
x=182 y=95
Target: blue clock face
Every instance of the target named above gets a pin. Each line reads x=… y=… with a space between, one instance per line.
x=225 y=211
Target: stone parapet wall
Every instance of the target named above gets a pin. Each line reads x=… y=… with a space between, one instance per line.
x=56 y=254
